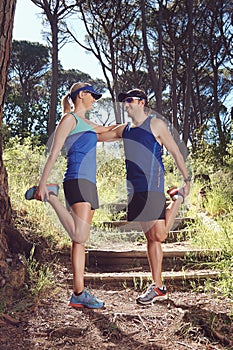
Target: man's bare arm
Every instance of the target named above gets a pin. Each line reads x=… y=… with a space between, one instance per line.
x=163 y=135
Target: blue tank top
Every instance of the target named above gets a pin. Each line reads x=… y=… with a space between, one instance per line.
x=80 y=146
x=143 y=157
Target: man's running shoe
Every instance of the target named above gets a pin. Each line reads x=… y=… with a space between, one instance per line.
x=152 y=294
x=86 y=300
x=31 y=193
x=175 y=193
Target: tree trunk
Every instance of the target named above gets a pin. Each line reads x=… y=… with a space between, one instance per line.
x=174 y=120
x=189 y=75
x=152 y=75
x=7 y=11
x=54 y=84
x=222 y=139
x=11 y=275
x=160 y=58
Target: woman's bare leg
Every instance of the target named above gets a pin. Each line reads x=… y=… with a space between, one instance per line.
x=63 y=214
x=82 y=215
x=77 y=223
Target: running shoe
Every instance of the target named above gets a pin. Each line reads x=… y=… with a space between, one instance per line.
x=86 y=300
x=52 y=188
x=152 y=294
x=175 y=193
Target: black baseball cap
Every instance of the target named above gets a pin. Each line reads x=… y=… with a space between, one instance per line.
x=132 y=93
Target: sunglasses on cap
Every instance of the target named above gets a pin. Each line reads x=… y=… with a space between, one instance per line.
x=131 y=99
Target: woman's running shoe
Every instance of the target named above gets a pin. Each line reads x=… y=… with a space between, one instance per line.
x=87 y=300
x=31 y=192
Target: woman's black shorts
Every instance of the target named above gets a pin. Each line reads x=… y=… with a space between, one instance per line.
x=81 y=190
x=146 y=206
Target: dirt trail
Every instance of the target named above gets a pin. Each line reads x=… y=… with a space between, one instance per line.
x=187 y=320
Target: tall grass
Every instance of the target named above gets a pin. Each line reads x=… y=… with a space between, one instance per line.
x=39 y=277
x=212 y=228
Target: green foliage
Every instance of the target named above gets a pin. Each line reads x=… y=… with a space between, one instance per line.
x=213 y=227
x=172 y=175
x=207 y=156
x=23 y=161
x=219 y=200
x=68 y=77
x=28 y=92
x=27 y=99
x=218 y=195
x=216 y=235
x=202 y=159
x=111 y=173
x=225 y=284
x=31 y=59
x=39 y=277
x=229 y=157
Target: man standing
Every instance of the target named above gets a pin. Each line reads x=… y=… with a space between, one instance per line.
x=143 y=140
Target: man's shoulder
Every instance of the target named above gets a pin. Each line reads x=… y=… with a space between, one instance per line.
x=158 y=127
x=157 y=121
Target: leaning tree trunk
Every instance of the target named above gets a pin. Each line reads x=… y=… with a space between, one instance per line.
x=7 y=10
x=12 y=271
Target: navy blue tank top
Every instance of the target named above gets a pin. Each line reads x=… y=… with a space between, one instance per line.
x=143 y=154
x=80 y=148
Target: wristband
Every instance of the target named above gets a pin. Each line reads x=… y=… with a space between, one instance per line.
x=188 y=179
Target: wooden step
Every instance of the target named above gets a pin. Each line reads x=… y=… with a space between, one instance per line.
x=134 y=236
x=124 y=225
x=175 y=256
x=139 y=279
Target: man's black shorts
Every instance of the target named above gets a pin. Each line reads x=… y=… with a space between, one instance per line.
x=146 y=206
x=81 y=190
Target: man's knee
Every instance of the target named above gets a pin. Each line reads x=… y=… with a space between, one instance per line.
x=162 y=236
x=157 y=236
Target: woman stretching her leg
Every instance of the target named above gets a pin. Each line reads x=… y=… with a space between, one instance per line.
x=79 y=136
